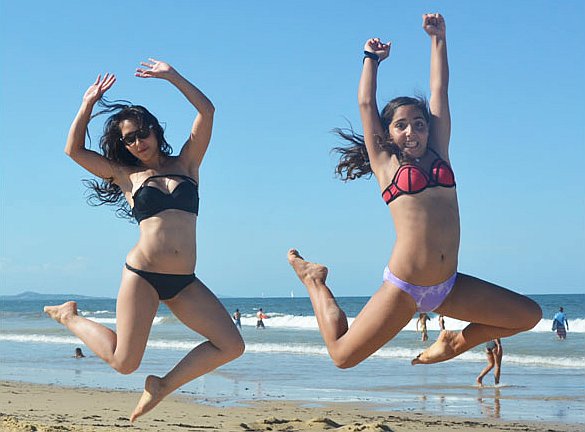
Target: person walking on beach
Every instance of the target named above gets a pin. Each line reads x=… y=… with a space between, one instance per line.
x=441 y=322
x=422 y=321
x=160 y=191
x=560 y=324
x=237 y=316
x=406 y=147
x=260 y=316
x=494 y=353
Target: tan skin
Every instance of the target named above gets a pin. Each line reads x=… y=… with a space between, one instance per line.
x=422 y=323
x=494 y=359
x=167 y=244
x=427 y=235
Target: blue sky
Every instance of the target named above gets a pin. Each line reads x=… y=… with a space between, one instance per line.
x=282 y=75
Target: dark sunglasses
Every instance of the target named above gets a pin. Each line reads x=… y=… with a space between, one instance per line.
x=131 y=138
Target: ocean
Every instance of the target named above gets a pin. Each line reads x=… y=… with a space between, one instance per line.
x=542 y=378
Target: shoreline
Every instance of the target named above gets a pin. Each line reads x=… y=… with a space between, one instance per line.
x=25 y=407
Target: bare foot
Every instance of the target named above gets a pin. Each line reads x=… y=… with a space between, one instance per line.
x=443 y=349
x=479 y=382
x=305 y=270
x=62 y=312
x=150 y=398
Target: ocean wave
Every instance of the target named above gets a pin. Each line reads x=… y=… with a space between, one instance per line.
x=310 y=323
x=317 y=350
x=99 y=312
x=158 y=320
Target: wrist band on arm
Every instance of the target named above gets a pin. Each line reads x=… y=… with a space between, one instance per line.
x=371 y=55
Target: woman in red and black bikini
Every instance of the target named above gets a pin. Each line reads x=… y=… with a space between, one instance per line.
x=160 y=191
x=406 y=147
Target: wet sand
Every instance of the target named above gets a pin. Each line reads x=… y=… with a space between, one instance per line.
x=32 y=407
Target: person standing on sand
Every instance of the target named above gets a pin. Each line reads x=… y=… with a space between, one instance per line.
x=406 y=147
x=494 y=353
x=160 y=191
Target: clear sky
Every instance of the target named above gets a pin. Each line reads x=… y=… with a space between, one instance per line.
x=282 y=75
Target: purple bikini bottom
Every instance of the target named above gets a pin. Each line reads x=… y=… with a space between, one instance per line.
x=427 y=298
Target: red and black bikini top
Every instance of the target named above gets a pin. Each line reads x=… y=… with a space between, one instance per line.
x=411 y=179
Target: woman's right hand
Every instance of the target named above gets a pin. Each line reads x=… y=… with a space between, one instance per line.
x=98 y=88
x=376 y=46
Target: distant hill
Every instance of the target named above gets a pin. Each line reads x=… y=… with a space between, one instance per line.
x=31 y=295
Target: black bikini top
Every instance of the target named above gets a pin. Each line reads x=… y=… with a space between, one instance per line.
x=150 y=200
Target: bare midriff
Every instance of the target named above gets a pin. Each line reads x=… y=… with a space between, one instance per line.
x=427 y=236
x=166 y=244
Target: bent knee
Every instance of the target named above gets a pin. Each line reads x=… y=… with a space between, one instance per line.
x=126 y=367
x=233 y=349
x=237 y=349
x=532 y=316
x=344 y=361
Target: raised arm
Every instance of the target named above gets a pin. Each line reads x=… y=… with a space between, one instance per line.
x=196 y=145
x=75 y=146
x=374 y=132
x=440 y=131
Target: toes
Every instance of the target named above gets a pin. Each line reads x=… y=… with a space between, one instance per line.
x=293 y=253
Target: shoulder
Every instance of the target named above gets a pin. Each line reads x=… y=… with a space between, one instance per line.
x=182 y=165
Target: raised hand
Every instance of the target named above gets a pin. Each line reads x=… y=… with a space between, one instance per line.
x=434 y=24
x=98 y=88
x=381 y=49
x=155 y=69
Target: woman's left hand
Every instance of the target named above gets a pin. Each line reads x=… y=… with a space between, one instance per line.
x=434 y=24
x=155 y=69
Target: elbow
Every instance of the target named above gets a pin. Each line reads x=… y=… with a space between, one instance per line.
x=209 y=110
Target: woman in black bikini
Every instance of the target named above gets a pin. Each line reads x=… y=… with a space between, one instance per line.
x=140 y=176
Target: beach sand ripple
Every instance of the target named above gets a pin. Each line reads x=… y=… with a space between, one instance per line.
x=46 y=408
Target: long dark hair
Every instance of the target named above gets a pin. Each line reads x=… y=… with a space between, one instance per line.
x=112 y=148
x=353 y=157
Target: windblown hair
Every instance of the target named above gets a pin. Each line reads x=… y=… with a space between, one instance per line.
x=112 y=148
x=354 y=161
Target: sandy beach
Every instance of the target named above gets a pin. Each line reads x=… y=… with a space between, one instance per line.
x=32 y=407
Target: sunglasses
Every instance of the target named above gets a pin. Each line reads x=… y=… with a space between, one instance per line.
x=131 y=138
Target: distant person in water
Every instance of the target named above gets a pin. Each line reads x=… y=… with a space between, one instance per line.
x=78 y=353
x=560 y=324
x=260 y=317
x=421 y=323
x=406 y=147
x=140 y=177
x=237 y=316
x=494 y=353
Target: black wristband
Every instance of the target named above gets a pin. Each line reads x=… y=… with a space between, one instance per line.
x=371 y=55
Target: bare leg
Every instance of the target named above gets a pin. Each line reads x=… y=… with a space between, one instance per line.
x=489 y=367
x=122 y=350
x=387 y=312
x=498 y=370
x=494 y=312
x=201 y=311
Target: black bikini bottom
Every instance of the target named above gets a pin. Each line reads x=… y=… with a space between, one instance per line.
x=166 y=285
